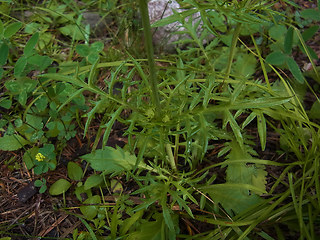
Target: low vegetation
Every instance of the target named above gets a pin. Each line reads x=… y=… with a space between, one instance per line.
x=218 y=140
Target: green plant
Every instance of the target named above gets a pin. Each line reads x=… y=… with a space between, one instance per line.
x=205 y=98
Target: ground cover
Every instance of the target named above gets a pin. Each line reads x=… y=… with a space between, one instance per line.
x=102 y=139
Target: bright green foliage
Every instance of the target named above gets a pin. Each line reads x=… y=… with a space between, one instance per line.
x=59 y=187
x=12 y=142
x=74 y=171
x=110 y=160
x=41 y=184
x=175 y=115
x=243 y=182
x=90 y=211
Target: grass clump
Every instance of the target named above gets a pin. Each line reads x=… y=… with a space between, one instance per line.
x=176 y=147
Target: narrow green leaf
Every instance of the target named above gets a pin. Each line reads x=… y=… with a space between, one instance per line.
x=235 y=128
x=4 y=52
x=59 y=187
x=11 y=29
x=167 y=217
x=12 y=142
x=288 y=41
x=92 y=234
x=109 y=125
x=1 y=29
x=29 y=49
x=248 y=120
x=276 y=58
x=295 y=70
x=262 y=130
x=74 y=171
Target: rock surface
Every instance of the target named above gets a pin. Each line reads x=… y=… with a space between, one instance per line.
x=163 y=37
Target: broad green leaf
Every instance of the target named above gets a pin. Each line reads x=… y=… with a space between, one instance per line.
x=34 y=121
x=231 y=197
x=245 y=65
x=309 y=33
x=22 y=98
x=74 y=171
x=276 y=58
x=312 y=14
x=83 y=50
x=154 y=230
x=92 y=181
x=278 y=32
x=5 y=103
x=40 y=62
x=96 y=47
x=29 y=157
x=20 y=66
x=90 y=211
x=72 y=31
x=295 y=70
x=112 y=160
x=12 y=142
x=4 y=52
x=11 y=29
x=93 y=58
x=29 y=49
x=288 y=41
x=59 y=187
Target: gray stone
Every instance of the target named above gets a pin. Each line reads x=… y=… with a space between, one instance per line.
x=164 y=37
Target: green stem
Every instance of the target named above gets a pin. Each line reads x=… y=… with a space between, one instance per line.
x=232 y=49
x=149 y=48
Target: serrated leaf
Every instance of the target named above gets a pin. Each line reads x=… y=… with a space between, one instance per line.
x=231 y=197
x=92 y=181
x=12 y=142
x=59 y=187
x=74 y=171
x=111 y=160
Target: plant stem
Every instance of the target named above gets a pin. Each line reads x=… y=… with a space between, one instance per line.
x=149 y=47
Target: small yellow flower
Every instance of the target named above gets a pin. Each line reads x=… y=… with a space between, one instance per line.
x=40 y=157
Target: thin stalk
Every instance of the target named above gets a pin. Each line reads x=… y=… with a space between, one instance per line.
x=149 y=48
